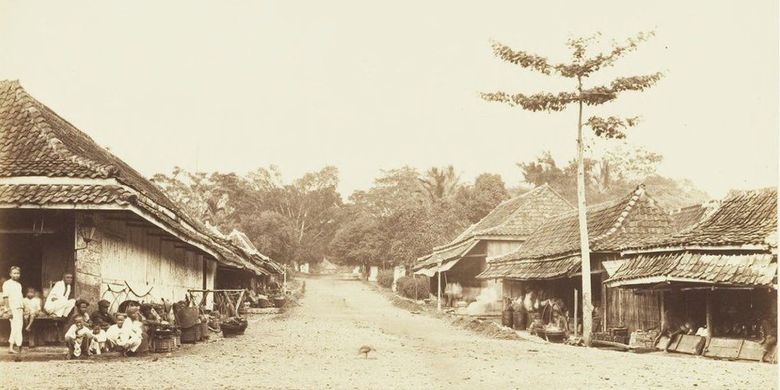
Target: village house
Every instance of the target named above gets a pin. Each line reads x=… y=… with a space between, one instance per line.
x=69 y=205
x=545 y=272
x=264 y=272
x=503 y=230
x=719 y=274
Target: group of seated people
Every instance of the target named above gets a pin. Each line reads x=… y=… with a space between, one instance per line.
x=90 y=333
x=93 y=334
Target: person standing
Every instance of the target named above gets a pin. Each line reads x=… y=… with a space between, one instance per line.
x=12 y=294
x=58 y=302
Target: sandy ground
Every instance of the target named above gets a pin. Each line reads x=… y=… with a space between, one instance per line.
x=315 y=347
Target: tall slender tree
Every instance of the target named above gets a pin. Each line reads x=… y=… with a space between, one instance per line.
x=581 y=67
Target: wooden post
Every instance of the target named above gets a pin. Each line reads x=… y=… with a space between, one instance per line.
x=604 y=302
x=438 y=289
x=587 y=305
x=663 y=310
x=575 y=312
x=708 y=305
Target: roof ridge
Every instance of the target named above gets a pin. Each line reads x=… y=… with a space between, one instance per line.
x=632 y=200
x=556 y=193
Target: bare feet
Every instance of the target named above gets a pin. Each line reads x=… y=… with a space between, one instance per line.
x=11 y=350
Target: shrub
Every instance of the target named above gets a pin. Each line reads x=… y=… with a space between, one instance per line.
x=415 y=287
x=385 y=278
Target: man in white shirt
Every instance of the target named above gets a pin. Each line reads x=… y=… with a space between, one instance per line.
x=12 y=294
x=58 y=302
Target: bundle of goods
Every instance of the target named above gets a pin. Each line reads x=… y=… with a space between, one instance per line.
x=233 y=326
x=163 y=311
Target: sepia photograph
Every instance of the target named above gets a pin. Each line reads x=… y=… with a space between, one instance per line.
x=353 y=194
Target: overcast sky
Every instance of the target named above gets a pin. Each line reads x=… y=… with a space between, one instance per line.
x=232 y=86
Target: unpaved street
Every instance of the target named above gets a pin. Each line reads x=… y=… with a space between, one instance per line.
x=315 y=347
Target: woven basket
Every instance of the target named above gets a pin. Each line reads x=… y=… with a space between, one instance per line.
x=191 y=335
x=233 y=326
x=164 y=344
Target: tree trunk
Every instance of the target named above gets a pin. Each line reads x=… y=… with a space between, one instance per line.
x=587 y=306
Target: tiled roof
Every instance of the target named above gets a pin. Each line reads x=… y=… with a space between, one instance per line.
x=532 y=269
x=521 y=215
x=729 y=269
x=35 y=141
x=517 y=218
x=42 y=194
x=611 y=226
x=686 y=217
x=743 y=218
x=242 y=242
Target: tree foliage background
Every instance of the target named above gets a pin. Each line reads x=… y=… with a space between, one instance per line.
x=405 y=213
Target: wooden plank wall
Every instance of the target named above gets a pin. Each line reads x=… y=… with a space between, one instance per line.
x=632 y=310
x=148 y=261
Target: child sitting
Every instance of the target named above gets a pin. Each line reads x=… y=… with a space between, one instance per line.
x=78 y=337
x=33 y=307
x=117 y=335
x=98 y=343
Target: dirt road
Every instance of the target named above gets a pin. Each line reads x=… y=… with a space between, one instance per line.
x=315 y=347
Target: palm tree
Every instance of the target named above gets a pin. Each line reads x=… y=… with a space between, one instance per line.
x=440 y=183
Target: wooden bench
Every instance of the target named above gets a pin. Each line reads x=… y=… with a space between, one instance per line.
x=45 y=330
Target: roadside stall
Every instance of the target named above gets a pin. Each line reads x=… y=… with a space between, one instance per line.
x=226 y=315
x=716 y=281
x=543 y=278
